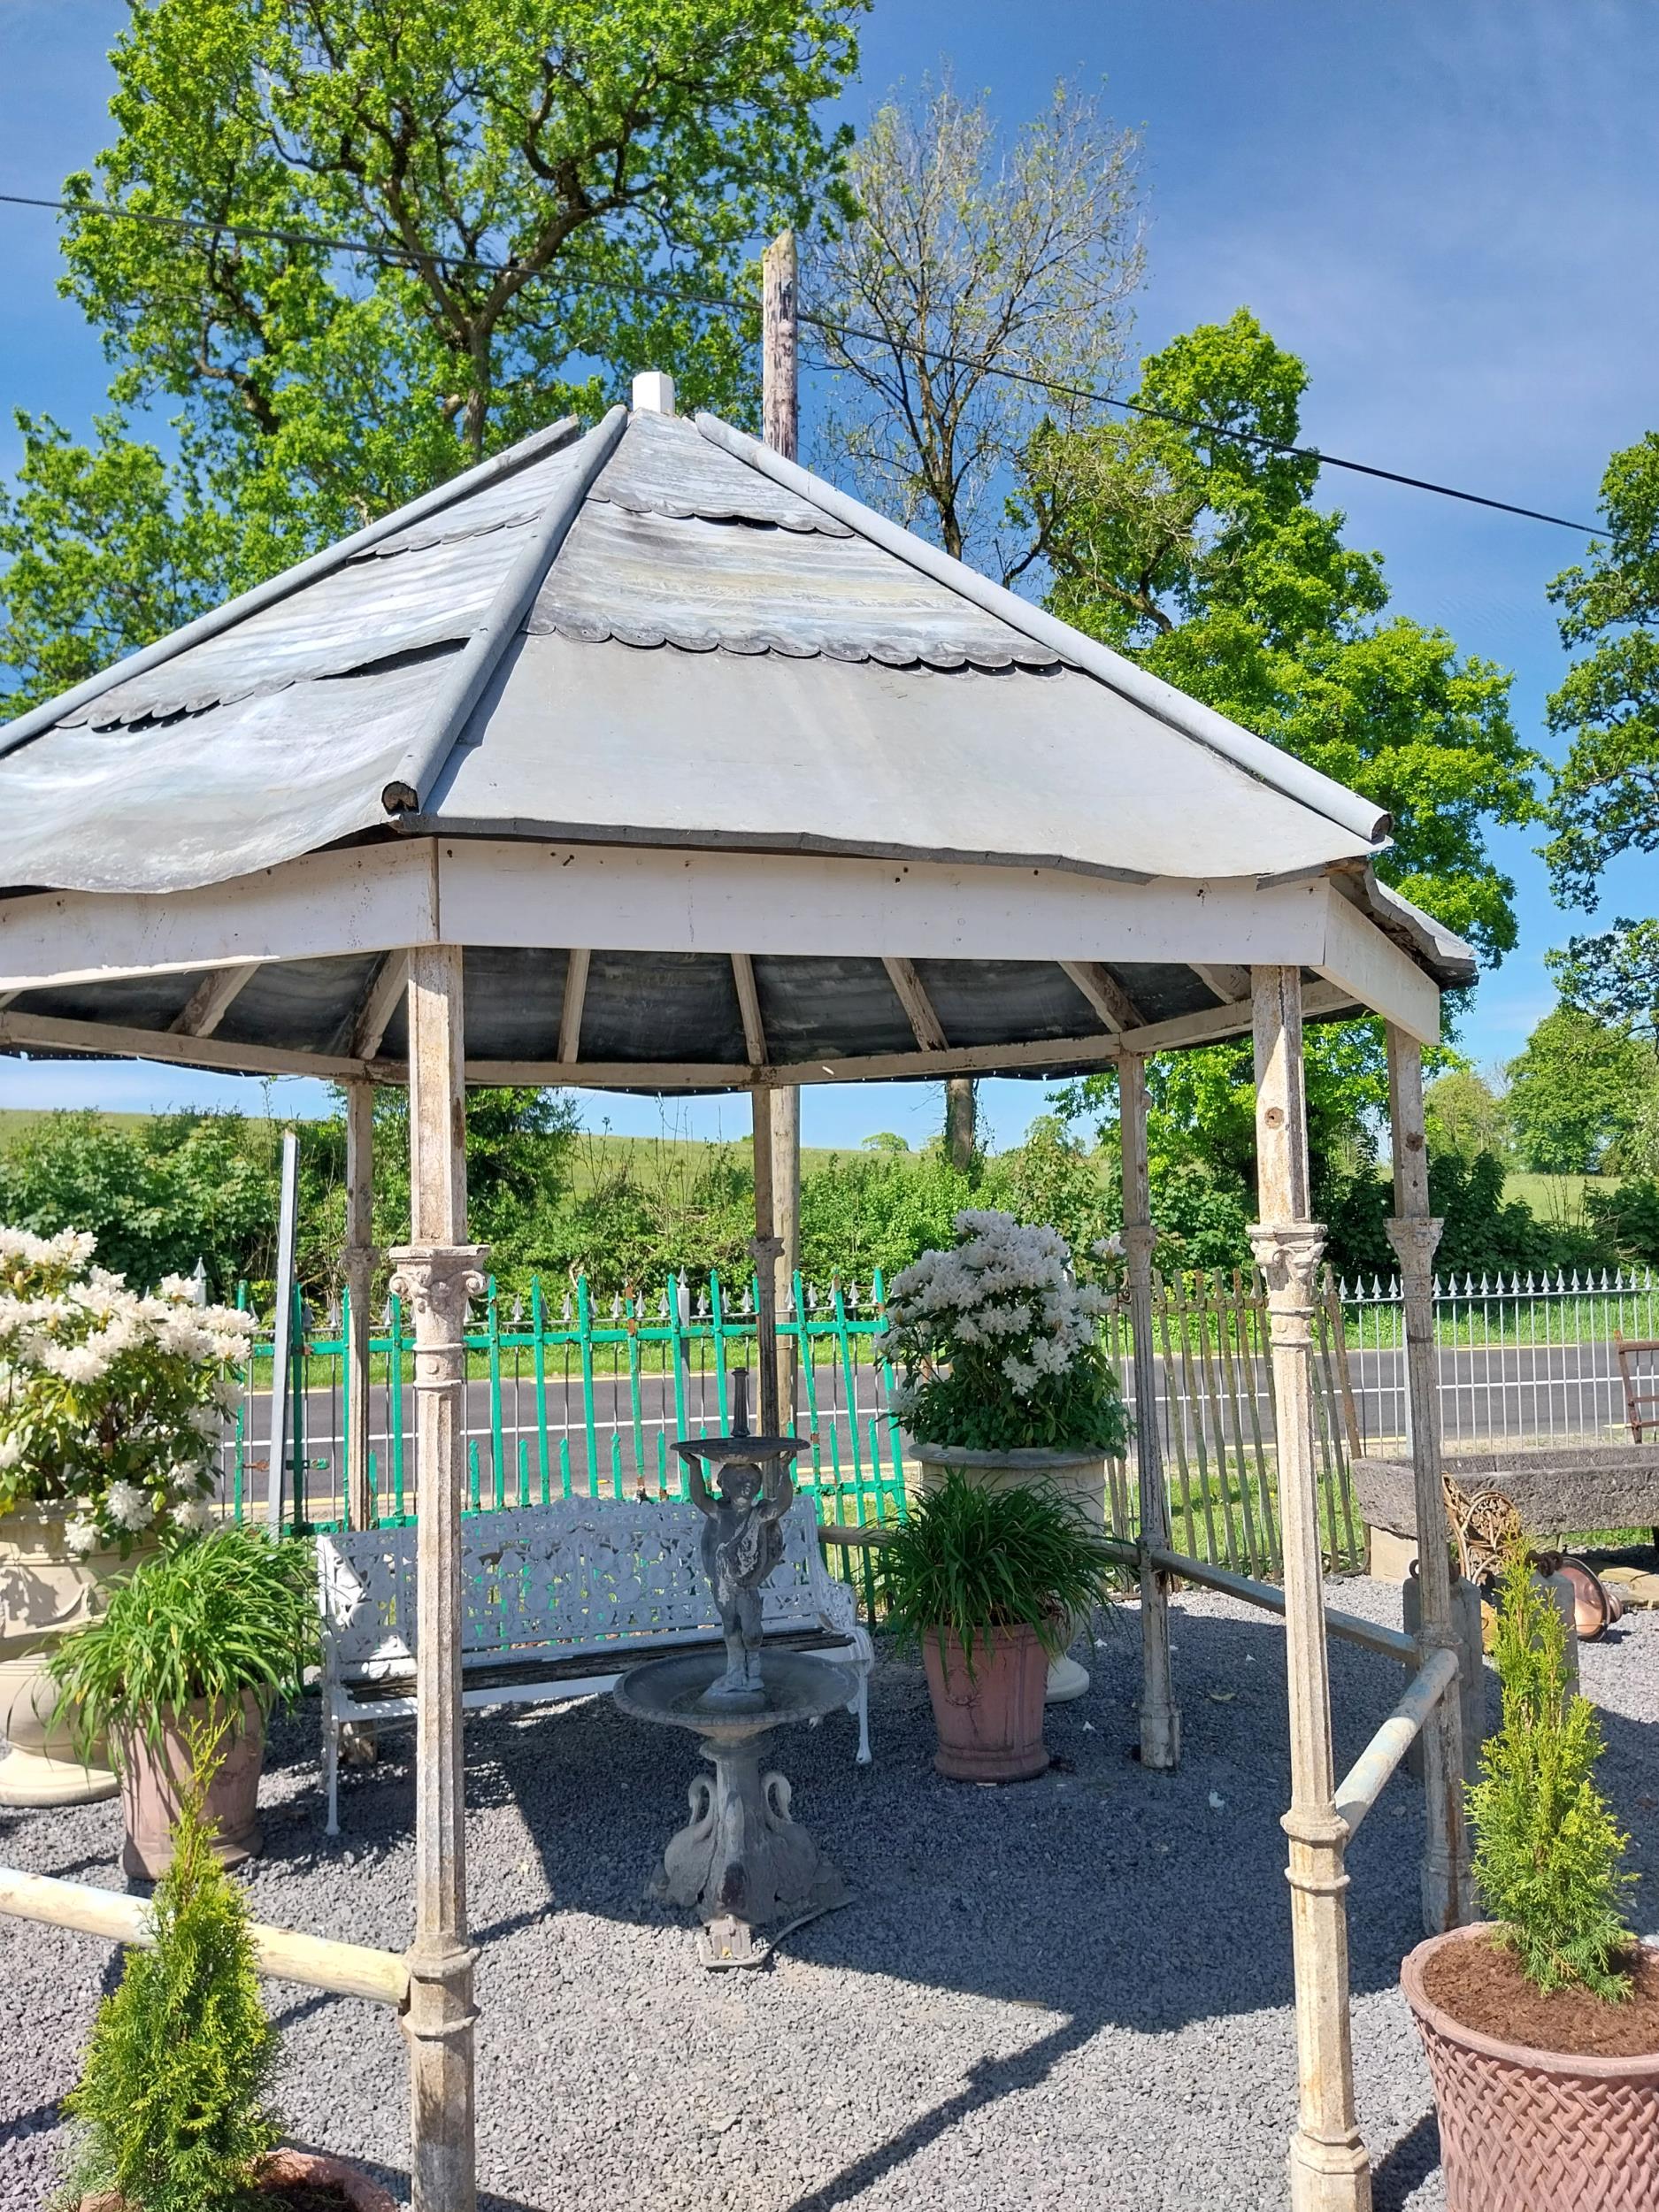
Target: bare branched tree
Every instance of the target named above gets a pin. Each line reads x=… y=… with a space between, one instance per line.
x=970 y=253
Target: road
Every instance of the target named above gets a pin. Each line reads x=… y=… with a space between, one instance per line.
x=1519 y=1393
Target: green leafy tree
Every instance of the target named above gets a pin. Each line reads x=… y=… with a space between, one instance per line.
x=1204 y=556
x=171 y=2110
x=1605 y=799
x=1613 y=977
x=553 y=189
x=1579 y=1095
x=1463 y=1115
x=1548 y=1852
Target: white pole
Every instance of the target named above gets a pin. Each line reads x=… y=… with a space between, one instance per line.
x=282 y=1331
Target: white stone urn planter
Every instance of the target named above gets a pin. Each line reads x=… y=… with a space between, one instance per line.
x=46 y=1589
x=1079 y=1476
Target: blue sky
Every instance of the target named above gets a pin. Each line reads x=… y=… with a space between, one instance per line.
x=1449 y=212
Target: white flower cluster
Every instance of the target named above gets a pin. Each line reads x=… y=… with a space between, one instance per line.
x=108 y=1397
x=1004 y=1286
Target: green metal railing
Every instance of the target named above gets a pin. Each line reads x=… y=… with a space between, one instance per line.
x=577 y=1403
x=566 y=1401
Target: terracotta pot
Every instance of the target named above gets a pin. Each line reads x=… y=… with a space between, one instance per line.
x=1080 y=1477
x=989 y=1722
x=1524 y=2130
x=152 y=1776
x=304 y=2168
x=46 y=1589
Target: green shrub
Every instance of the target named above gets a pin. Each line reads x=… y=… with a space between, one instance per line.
x=1548 y=1854
x=970 y=1559
x=209 y=1616
x=170 y=2109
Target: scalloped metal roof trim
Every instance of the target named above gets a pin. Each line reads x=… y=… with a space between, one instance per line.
x=688 y=511
x=650 y=636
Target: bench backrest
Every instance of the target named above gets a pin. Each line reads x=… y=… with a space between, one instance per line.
x=577 y=1575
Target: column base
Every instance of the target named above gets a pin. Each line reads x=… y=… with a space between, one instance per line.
x=1161 y=1738
x=1328 y=2176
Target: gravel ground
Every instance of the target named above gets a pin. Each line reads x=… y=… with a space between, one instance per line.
x=1071 y=1994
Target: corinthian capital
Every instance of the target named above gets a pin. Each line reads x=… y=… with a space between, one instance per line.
x=1288 y=1254
x=438 y=1281
x=1414 y=1238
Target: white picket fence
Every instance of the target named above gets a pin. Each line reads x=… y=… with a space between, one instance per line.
x=1521 y=1358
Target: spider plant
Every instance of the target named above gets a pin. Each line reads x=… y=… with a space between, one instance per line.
x=970 y=1560
x=209 y=1618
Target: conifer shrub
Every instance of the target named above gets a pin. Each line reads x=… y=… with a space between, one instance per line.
x=170 y=2111
x=1548 y=1855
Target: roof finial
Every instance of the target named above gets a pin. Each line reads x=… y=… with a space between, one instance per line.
x=654 y=392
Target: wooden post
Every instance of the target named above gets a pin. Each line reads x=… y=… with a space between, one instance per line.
x=1329 y=2170
x=785 y=1222
x=436 y=1273
x=779 y=404
x=780 y=427
x=1449 y=1889
x=1160 y=1716
x=357 y=1263
x=766 y=1246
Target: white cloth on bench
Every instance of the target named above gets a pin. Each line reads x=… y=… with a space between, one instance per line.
x=610 y=1582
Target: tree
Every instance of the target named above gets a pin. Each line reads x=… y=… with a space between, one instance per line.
x=553 y=189
x=1577 y=1095
x=1613 y=977
x=968 y=257
x=1605 y=796
x=1203 y=556
x=1464 y=1117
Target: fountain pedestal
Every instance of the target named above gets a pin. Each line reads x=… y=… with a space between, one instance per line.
x=748 y=1870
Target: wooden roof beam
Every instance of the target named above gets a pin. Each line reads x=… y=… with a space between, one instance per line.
x=379 y=1002
x=213 y=997
x=1230 y=984
x=576 y=962
x=1105 y=995
x=924 y=1024
x=749 y=1006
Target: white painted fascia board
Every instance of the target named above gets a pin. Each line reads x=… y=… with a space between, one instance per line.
x=375 y=898
x=1369 y=964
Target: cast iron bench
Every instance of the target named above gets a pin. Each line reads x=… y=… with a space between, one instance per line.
x=559 y=1602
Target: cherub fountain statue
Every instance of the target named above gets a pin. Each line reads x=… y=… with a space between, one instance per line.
x=748 y=1870
x=741 y=1540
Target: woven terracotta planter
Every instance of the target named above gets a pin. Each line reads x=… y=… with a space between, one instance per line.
x=294 y=2170
x=989 y=1722
x=1526 y=2131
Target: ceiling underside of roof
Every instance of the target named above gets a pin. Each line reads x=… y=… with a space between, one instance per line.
x=651 y=1009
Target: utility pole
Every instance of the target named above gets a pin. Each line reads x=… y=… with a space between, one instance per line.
x=780 y=424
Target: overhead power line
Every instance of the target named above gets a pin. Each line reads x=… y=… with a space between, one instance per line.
x=405 y=256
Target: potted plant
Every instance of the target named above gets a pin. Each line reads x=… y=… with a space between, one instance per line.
x=111 y=1404
x=170 y=2113
x=210 y=1630
x=1542 y=2025
x=987 y=1581
x=1002 y=1373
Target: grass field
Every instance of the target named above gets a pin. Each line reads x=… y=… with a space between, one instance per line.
x=598 y=1155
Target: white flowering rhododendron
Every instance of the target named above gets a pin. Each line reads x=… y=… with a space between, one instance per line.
x=998 y=1344
x=113 y=1402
